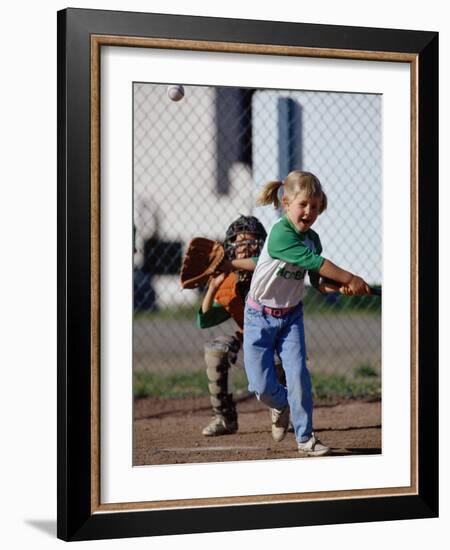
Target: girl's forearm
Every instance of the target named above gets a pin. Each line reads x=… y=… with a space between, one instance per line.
x=332 y=271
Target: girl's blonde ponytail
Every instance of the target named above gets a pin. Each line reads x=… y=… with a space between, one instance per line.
x=269 y=194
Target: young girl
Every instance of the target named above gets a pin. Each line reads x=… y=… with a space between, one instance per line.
x=273 y=317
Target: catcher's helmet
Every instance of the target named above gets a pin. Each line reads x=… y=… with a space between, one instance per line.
x=244 y=224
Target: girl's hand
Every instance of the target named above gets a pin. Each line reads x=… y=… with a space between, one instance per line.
x=356 y=287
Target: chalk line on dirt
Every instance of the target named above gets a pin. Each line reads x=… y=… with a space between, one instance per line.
x=205 y=449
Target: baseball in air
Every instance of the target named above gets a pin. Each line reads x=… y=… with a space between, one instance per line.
x=175 y=92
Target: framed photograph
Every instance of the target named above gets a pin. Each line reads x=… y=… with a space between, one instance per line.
x=177 y=127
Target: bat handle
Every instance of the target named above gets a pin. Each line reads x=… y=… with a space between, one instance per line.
x=375 y=290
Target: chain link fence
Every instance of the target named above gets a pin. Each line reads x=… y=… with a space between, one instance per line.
x=198 y=165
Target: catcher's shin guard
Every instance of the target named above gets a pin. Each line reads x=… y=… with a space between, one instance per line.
x=217 y=357
x=281 y=375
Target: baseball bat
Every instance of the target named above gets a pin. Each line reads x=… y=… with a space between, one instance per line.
x=374 y=290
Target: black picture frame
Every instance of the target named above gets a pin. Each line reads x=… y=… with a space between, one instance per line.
x=79 y=517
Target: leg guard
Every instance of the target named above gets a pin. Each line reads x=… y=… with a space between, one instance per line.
x=217 y=358
x=281 y=375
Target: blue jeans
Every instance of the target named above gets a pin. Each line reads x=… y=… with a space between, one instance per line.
x=265 y=334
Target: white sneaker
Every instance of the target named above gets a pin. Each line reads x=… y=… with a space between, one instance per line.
x=220 y=426
x=313 y=447
x=280 y=423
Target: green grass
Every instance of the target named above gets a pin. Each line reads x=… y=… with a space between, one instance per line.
x=366 y=370
x=337 y=386
x=177 y=384
x=364 y=383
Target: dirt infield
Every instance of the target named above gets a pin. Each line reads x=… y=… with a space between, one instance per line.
x=168 y=431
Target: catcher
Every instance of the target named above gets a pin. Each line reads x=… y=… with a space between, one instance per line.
x=225 y=299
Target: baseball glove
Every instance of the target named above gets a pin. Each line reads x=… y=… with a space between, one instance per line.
x=202 y=260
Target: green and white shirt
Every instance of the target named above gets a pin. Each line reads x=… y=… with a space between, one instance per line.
x=278 y=280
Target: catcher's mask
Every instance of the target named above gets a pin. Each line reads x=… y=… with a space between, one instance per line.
x=244 y=224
